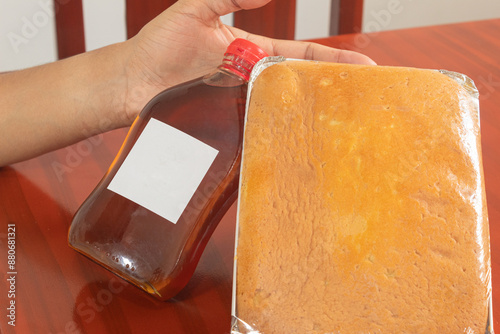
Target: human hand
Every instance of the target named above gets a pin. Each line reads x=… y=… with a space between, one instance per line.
x=188 y=40
x=105 y=89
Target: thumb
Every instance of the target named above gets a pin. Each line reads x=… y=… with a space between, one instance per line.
x=222 y=7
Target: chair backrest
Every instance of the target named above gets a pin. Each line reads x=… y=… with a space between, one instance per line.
x=350 y=16
x=69 y=28
x=276 y=20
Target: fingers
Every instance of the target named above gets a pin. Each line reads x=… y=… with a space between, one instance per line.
x=304 y=50
x=250 y=4
x=216 y=8
x=209 y=11
x=314 y=51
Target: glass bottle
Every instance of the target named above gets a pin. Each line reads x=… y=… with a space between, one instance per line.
x=176 y=174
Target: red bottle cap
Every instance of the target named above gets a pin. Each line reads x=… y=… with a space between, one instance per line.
x=240 y=57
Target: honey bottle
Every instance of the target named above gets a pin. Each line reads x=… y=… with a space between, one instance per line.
x=176 y=174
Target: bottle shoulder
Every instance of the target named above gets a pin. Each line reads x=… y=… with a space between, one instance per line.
x=223 y=78
x=218 y=82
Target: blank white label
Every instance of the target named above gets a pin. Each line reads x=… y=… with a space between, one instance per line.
x=163 y=170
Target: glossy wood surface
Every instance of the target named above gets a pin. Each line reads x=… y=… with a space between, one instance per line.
x=60 y=291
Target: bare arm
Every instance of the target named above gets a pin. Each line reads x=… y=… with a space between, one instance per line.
x=54 y=105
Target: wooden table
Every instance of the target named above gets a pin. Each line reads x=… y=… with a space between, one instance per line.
x=59 y=291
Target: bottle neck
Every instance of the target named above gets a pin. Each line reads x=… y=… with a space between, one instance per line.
x=237 y=65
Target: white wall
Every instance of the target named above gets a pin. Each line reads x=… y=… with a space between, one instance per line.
x=379 y=15
x=312 y=19
x=104 y=22
x=27 y=29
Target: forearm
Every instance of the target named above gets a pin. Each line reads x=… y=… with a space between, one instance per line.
x=54 y=105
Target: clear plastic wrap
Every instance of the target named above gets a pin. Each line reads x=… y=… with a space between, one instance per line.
x=362 y=206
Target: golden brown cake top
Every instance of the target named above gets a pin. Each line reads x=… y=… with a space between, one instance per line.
x=362 y=205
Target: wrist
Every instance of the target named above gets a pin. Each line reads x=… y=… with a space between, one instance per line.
x=141 y=84
x=111 y=89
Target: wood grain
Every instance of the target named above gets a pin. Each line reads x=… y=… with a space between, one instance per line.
x=60 y=291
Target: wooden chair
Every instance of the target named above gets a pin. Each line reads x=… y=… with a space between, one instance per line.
x=276 y=20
